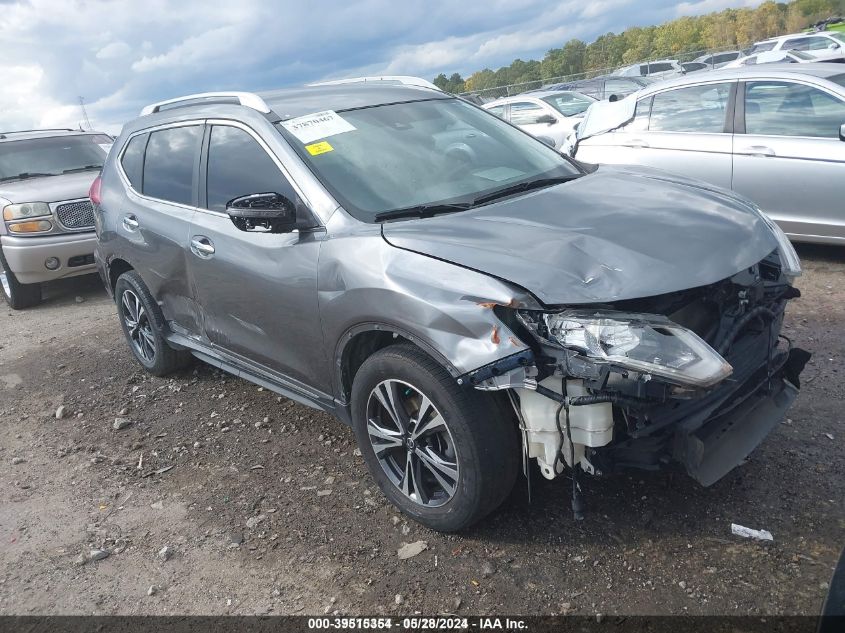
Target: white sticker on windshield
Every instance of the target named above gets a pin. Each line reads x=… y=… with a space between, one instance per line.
x=318 y=125
x=498 y=174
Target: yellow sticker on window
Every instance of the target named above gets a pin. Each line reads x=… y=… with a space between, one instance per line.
x=315 y=149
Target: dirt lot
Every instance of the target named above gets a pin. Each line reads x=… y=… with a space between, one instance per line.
x=267 y=508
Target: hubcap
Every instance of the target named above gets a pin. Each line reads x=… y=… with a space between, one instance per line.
x=412 y=443
x=138 y=325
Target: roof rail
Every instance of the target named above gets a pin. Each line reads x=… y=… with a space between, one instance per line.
x=406 y=80
x=46 y=129
x=246 y=99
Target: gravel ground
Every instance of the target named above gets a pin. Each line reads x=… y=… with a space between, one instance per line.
x=264 y=506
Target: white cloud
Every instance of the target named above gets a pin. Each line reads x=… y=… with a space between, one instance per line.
x=113 y=50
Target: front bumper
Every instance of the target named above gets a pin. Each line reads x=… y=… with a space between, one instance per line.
x=737 y=427
x=26 y=255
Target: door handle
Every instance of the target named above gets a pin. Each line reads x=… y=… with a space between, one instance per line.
x=758 y=150
x=130 y=222
x=201 y=246
x=636 y=143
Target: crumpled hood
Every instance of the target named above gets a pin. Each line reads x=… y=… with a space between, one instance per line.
x=48 y=188
x=618 y=233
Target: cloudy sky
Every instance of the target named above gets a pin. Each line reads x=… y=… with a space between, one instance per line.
x=121 y=55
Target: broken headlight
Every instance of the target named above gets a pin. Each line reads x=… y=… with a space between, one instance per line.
x=640 y=342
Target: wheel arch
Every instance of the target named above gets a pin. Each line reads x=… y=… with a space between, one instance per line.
x=361 y=341
x=116 y=267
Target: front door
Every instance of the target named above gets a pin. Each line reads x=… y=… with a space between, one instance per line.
x=258 y=290
x=790 y=160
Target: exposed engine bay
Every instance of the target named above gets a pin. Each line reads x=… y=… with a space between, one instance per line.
x=695 y=378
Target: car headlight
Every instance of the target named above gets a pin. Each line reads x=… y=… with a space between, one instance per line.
x=789 y=261
x=640 y=342
x=25 y=210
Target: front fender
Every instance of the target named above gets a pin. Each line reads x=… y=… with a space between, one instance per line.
x=365 y=283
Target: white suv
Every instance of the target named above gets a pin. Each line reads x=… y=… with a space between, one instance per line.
x=827 y=46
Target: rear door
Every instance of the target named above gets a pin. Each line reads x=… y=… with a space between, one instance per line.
x=155 y=218
x=788 y=157
x=258 y=290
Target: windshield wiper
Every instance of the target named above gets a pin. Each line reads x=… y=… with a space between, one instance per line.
x=422 y=211
x=27 y=174
x=520 y=187
x=85 y=168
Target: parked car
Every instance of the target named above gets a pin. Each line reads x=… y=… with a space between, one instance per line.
x=773 y=57
x=718 y=60
x=456 y=290
x=827 y=46
x=47 y=230
x=660 y=69
x=548 y=115
x=772 y=133
x=605 y=86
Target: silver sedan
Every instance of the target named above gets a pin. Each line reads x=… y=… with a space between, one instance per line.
x=774 y=134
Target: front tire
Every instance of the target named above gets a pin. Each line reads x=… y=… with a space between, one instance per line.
x=16 y=294
x=444 y=454
x=143 y=325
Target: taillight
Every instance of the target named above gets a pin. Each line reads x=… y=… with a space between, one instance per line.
x=94 y=191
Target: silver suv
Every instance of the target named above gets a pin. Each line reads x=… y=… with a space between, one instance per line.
x=466 y=298
x=47 y=230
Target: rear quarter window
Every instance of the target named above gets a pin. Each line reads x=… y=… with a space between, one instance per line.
x=132 y=160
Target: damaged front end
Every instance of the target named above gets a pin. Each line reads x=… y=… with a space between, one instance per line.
x=696 y=377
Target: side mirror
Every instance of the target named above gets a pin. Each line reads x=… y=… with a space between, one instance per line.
x=842 y=132
x=263 y=212
x=833 y=45
x=546 y=118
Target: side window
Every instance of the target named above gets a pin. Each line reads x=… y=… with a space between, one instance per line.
x=169 y=163
x=239 y=166
x=781 y=108
x=619 y=87
x=499 y=111
x=640 y=121
x=525 y=113
x=797 y=44
x=692 y=109
x=762 y=48
x=133 y=160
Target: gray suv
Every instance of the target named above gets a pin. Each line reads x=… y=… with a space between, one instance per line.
x=47 y=231
x=469 y=300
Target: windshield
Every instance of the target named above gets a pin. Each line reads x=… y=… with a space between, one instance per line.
x=52 y=156
x=838 y=35
x=569 y=103
x=838 y=79
x=418 y=154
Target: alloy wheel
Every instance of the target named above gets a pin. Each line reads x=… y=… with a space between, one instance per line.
x=138 y=326
x=412 y=443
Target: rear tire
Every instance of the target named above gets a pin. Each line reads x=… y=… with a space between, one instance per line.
x=143 y=325
x=16 y=294
x=446 y=455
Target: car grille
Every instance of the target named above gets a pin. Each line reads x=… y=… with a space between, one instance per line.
x=76 y=215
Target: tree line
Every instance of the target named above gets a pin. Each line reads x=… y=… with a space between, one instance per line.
x=734 y=28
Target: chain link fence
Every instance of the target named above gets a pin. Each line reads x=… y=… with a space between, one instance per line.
x=499 y=92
